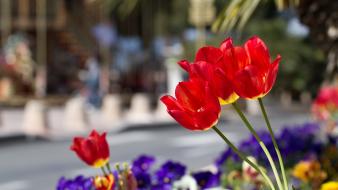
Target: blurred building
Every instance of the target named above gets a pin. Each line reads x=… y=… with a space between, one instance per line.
x=58 y=33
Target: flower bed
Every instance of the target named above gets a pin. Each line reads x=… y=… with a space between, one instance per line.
x=309 y=162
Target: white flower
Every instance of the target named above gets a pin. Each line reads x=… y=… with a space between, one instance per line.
x=187 y=182
x=248 y=172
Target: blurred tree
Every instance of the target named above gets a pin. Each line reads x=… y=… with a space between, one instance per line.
x=149 y=18
x=236 y=13
x=322 y=19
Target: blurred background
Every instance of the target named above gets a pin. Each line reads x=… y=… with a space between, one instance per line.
x=68 y=66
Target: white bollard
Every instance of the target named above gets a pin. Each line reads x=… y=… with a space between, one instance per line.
x=174 y=73
x=1 y=122
x=305 y=98
x=35 y=118
x=286 y=99
x=76 y=118
x=111 y=108
x=139 y=109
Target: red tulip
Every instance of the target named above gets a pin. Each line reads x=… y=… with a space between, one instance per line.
x=195 y=106
x=93 y=150
x=327 y=96
x=104 y=182
x=325 y=106
x=207 y=67
x=249 y=68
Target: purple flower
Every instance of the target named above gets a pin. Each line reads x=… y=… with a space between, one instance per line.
x=143 y=163
x=79 y=182
x=170 y=172
x=163 y=186
x=140 y=168
x=295 y=143
x=207 y=179
x=227 y=154
x=299 y=142
x=143 y=180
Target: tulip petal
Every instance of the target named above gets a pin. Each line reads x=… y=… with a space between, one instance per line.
x=202 y=70
x=89 y=151
x=170 y=102
x=223 y=87
x=272 y=75
x=189 y=94
x=219 y=83
x=184 y=65
x=207 y=116
x=209 y=54
x=258 y=52
x=242 y=57
x=183 y=119
x=235 y=59
x=103 y=147
x=226 y=44
x=205 y=120
x=211 y=101
x=94 y=134
x=76 y=143
x=248 y=83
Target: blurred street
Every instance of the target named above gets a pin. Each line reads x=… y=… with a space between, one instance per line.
x=38 y=164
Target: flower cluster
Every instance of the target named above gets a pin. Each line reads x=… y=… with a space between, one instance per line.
x=296 y=142
x=309 y=159
x=168 y=175
x=79 y=182
x=94 y=151
x=218 y=76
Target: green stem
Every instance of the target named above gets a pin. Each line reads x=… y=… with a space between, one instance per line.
x=261 y=143
x=243 y=157
x=103 y=171
x=280 y=158
x=108 y=167
x=121 y=179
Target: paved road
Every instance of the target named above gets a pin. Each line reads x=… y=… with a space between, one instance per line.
x=37 y=164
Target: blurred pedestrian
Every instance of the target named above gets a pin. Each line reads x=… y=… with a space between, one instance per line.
x=92 y=81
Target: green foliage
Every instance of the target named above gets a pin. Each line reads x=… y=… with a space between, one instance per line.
x=230 y=166
x=236 y=13
x=123 y=7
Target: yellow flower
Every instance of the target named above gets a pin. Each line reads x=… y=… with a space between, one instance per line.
x=309 y=171
x=104 y=182
x=301 y=169
x=332 y=185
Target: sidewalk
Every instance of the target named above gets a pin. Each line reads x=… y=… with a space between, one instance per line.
x=12 y=126
x=11 y=121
